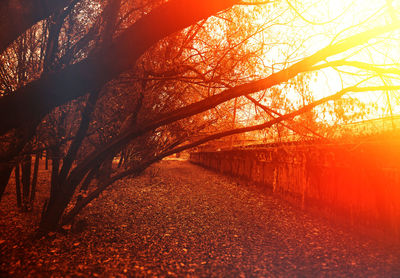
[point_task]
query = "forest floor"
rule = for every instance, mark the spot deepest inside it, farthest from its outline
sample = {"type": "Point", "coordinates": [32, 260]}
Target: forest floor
{"type": "Point", "coordinates": [178, 220]}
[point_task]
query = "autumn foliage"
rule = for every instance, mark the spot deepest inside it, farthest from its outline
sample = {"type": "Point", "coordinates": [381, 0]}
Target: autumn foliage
{"type": "Point", "coordinates": [104, 89]}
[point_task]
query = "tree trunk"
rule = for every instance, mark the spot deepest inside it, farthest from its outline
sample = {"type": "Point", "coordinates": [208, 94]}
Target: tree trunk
{"type": "Point", "coordinates": [18, 185]}
{"type": "Point", "coordinates": [34, 178]}
{"type": "Point", "coordinates": [26, 181]}
{"type": "Point", "coordinates": [5, 173]}
{"type": "Point", "coordinates": [121, 159]}
{"type": "Point", "coordinates": [46, 163]}
{"type": "Point", "coordinates": [85, 184]}
{"type": "Point", "coordinates": [56, 205]}
{"type": "Point", "coordinates": [51, 216]}
{"type": "Point", "coordinates": [55, 167]}
{"type": "Point", "coordinates": [62, 189]}
{"type": "Point", "coordinates": [106, 169]}
{"type": "Point", "coordinates": [103, 184]}
{"type": "Point", "coordinates": [79, 136]}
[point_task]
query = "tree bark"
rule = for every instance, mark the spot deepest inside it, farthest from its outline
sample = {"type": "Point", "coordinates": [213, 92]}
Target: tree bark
{"type": "Point", "coordinates": [18, 185]}
{"type": "Point", "coordinates": [85, 184]}
{"type": "Point", "coordinates": [55, 167]}
{"type": "Point", "coordinates": [5, 173]}
{"type": "Point", "coordinates": [55, 205]}
{"type": "Point", "coordinates": [46, 162]}
{"type": "Point", "coordinates": [34, 178]}
{"type": "Point", "coordinates": [52, 214]}
{"type": "Point", "coordinates": [26, 181]}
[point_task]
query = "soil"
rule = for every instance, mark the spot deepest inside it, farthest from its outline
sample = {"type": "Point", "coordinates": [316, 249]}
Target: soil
{"type": "Point", "coordinates": [178, 219]}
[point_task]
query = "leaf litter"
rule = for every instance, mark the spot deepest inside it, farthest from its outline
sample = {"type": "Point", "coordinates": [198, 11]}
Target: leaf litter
{"type": "Point", "coordinates": [182, 220]}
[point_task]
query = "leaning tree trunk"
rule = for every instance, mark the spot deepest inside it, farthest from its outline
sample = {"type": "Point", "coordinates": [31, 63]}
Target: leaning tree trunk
{"type": "Point", "coordinates": [85, 185]}
{"type": "Point", "coordinates": [52, 207]}
{"type": "Point", "coordinates": [56, 204]}
{"type": "Point", "coordinates": [26, 181]}
{"type": "Point", "coordinates": [62, 187]}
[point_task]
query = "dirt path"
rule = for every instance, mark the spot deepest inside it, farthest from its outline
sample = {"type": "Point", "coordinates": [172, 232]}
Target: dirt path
{"type": "Point", "coordinates": [182, 220]}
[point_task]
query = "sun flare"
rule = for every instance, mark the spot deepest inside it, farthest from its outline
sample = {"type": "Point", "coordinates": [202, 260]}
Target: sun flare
{"type": "Point", "coordinates": [320, 24]}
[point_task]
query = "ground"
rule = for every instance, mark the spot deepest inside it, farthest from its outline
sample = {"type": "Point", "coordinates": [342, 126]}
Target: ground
{"type": "Point", "coordinates": [178, 220]}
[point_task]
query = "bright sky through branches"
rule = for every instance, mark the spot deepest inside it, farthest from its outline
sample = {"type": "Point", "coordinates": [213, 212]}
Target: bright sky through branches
{"type": "Point", "coordinates": [311, 25]}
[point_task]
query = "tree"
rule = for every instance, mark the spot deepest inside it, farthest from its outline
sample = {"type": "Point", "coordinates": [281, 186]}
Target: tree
{"type": "Point", "coordinates": [25, 14]}
{"type": "Point", "coordinates": [94, 71]}
{"type": "Point", "coordinates": [151, 94]}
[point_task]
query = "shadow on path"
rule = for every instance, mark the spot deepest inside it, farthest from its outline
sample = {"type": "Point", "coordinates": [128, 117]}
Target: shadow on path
{"type": "Point", "coordinates": [181, 220]}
